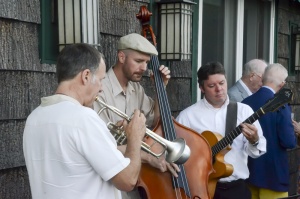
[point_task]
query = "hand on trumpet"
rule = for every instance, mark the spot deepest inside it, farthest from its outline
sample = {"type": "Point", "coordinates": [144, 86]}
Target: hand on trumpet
{"type": "Point", "coordinates": [136, 128]}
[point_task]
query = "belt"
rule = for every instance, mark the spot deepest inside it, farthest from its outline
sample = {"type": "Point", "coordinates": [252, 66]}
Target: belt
{"type": "Point", "coordinates": [227, 185]}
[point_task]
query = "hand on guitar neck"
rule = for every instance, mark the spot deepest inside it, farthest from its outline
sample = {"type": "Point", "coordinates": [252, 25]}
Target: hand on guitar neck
{"type": "Point", "coordinates": [250, 132]}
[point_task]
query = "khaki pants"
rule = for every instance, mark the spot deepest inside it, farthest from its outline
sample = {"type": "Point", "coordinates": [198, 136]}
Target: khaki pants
{"type": "Point", "coordinates": [258, 193]}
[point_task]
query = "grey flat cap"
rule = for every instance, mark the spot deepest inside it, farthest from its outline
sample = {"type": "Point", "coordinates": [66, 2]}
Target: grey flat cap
{"type": "Point", "coordinates": [137, 42]}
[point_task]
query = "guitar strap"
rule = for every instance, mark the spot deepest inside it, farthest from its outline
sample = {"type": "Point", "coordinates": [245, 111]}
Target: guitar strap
{"type": "Point", "coordinates": [231, 117]}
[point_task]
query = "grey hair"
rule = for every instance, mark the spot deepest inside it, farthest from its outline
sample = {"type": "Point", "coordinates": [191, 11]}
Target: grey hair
{"type": "Point", "coordinates": [75, 58]}
{"type": "Point", "coordinates": [253, 66]}
{"type": "Point", "coordinates": [275, 73]}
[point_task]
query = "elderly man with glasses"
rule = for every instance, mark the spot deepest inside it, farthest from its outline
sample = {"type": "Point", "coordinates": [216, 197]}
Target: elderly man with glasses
{"type": "Point", "coordinates": [250, 81]}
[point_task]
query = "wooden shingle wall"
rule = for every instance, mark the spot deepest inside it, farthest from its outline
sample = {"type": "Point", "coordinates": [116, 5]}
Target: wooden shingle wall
{"type": "Point", "coordinates": [117, 18]}
{"type": "Point", "coordinates": [23, 81]}
{"type": "Point", "coordinates": [25, 10]}
{"type": "Point", "coordinates": [289, 12]}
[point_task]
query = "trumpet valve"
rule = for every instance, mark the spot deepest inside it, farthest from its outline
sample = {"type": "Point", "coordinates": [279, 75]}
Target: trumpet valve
{"type": "Point", "coordinates": [118, 133]}
{"type": "Point", "coordinates": [122, 138]}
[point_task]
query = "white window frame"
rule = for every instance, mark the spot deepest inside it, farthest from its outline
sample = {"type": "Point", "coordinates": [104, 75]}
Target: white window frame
{"type": "Point", "coordinates": [78, 23]}
{"type": "Point", "coordinates": [200, 4]}
{"type": "Point", "coordinates": [239, 40]}
{"type": "Point", "coordinates": [272, 33]}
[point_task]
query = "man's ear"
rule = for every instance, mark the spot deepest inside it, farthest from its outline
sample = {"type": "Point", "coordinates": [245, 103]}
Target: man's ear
{"type": "Point", "coordinates": [121, 57]}
{"type": "Point", "coordinates": [251, 76]}
{"type": "Point", "coordinates": [85, 75]}
{"type": "Point", "coordinates": [201, 88]}
{"type": "Point", "coordinates": [281, 85]}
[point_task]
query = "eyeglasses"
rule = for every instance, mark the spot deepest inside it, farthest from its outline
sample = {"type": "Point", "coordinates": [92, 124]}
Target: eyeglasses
{"type": "Point", "coordinates": [257, 75]}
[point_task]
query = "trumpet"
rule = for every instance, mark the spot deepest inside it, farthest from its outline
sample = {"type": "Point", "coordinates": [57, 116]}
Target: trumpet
{"type": "Point", "coordinates": [176, 151]}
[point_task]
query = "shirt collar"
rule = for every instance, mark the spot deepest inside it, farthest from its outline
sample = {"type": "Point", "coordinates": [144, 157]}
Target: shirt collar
{"type": "Point", "coordinates": [245, 87]}
{"type": "Point", "coordinates": [57, 98]}
{"type": "Point", "coordinates": [116, 87]}
{"type": "Point", "coordinates": [269, 88]}
{"type": "Point", "coordinates": [208, 105]}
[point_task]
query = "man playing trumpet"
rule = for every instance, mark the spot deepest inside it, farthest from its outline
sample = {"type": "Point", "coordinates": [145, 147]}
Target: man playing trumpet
{"type": "Point", "coordinates": [121, 89]}
{"type": "Point", "coordinates": [69, 152]}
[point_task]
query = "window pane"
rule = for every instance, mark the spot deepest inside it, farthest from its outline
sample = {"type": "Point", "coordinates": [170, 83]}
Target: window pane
{"type": "Point", "coordinates": [219, 34]}
{"type": "Point", "coordinates": [213, 31]}
{"type": "Point", "coordinates": [256, 30]}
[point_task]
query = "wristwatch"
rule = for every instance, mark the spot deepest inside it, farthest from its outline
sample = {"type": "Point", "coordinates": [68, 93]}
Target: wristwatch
{"type": "Point", "coordinates": [256, 143]}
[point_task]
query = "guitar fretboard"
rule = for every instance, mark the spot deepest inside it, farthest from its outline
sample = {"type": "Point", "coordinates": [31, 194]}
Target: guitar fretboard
{"type": "Point", "coordinates": [225, 141]}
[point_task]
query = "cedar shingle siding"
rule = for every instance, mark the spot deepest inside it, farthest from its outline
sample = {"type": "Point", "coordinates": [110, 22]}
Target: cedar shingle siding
{"type": "Point", "coordinates": [24, 80]}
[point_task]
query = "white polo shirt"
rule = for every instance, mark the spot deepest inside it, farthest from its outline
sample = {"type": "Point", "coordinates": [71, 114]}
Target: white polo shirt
{"type": "Point", "coordinates": [69, 152]}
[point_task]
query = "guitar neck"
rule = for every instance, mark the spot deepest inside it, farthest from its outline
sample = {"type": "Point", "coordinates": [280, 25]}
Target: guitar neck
{"type": "Point", "coordinates": [225, 141]}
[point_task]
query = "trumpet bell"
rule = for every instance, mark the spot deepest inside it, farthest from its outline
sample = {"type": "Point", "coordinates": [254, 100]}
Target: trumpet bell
{"type": "Point", "coordinates": [178, 152]}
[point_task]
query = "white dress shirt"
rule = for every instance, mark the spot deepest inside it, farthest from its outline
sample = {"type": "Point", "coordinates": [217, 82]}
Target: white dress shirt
{"type": "Point", "coordinates": [202, 116]}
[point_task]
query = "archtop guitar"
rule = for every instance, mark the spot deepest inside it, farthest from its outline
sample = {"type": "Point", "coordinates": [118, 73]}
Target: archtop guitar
{"type": "Point", "coordinates": [221, 145]}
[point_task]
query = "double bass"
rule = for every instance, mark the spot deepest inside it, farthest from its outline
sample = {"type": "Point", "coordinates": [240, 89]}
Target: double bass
{"type": "Point", "coordinates": [192, 181]}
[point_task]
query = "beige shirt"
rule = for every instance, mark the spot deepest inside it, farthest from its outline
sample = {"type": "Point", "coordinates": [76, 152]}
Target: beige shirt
{"type": "Point", "coordinates": [134, 98]}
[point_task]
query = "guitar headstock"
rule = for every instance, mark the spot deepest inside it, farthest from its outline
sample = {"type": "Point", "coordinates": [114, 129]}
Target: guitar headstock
{"type": "Point", "coordinates": [282, 97]}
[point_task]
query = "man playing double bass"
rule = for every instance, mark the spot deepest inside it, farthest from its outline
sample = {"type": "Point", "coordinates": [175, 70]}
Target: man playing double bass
{"type": "Point", "coordinates": [210, 114]}
{"type": "Point", "coordinates": [122, 90]}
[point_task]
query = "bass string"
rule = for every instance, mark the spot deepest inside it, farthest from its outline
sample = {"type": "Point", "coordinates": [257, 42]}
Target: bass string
{"type": "Point", "coordinates": [167, 123]}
